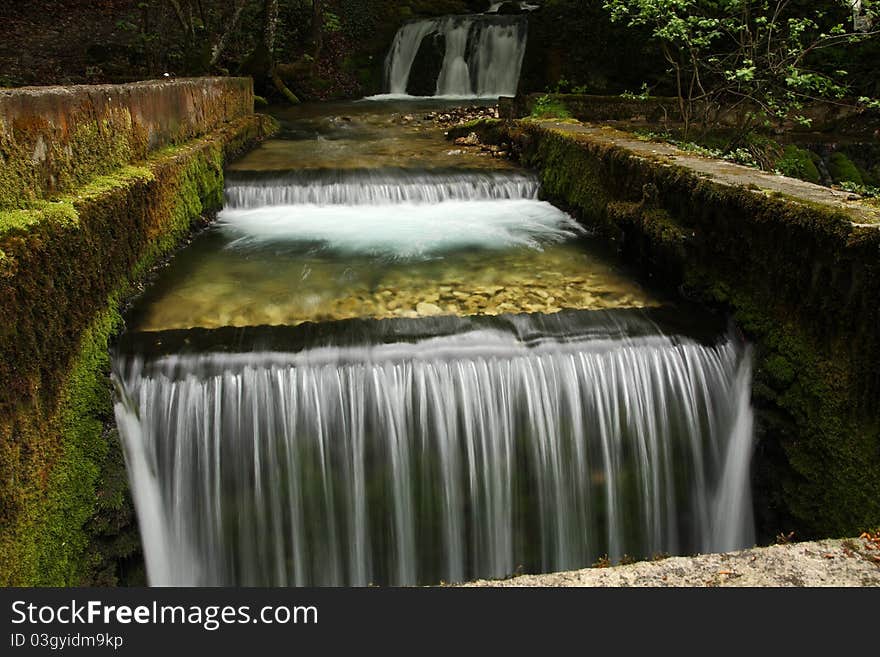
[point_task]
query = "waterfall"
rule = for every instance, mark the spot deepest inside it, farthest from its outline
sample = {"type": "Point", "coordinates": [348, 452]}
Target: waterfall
{"type": "Point", "coordinates": [394, 213]}
{"type": "Point", "coordinates": [402, 230]}
{"type": "Point", "coordinates": [483, 55]}
{"type": "Point", "coordinates": [418, 459]}
{"type": "Point", "coordinates": [377, 187]}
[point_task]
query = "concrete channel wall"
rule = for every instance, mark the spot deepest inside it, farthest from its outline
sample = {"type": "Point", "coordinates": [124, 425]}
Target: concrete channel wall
{"type": "Point", "coordinates": [97, 184]}
{"type": "Point", "coordinates": [55, 138]}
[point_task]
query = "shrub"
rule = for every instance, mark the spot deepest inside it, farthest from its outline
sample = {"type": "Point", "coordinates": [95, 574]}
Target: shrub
{"type": "Point", "coordinates": [843, 170]}
{"type": "Point", "coordinates": [798, 163]}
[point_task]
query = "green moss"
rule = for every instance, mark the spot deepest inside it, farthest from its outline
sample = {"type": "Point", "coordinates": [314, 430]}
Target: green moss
{"type": "Point", "coordinates": [829, 440]}
{"type": "Point", "coordinates": [842, 169]}
{"type": "Point", "coordinates": [548, 107]}
{"type": "Point", "coordinates": [798, 163]}
{"type": "Point", "coordinates": [486, 129]}
{"type": "Point", "coordinates": [94, 147]}
{"type": "Point", "coordinates": [22, 220]}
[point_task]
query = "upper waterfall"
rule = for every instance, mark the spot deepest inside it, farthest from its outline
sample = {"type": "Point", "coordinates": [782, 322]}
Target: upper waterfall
{"type": "Point", "coordinates": [482, 55]}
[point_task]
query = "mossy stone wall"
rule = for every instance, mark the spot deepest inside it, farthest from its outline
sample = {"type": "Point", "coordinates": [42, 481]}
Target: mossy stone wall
{"type": "Point", "coordinates": [801, 279]}
{"type": "Point", "coordinates": [839, 119]}
{"type": "Point", "coordinates": [53, 139]}
{"type": "Point", "coordinates": [67, 262]}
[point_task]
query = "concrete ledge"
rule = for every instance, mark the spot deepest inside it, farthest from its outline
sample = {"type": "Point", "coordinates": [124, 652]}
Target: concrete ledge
{"type": "Point", "coordinates": [852, 562]}
{"type": "Point", "coordinates": [839, 119]}
{"type": "Point", "coordinates": [55, 138]}
{"type": "Point", "coordinates": [595, 108]}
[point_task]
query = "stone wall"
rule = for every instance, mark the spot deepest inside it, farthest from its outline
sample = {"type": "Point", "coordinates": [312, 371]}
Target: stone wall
{"type": "Point", "coordinates": [836, 119]}
{"type": "Point", "coordinates": [71, 253]}
{"type": "Point", "coordinates": [55, 138]}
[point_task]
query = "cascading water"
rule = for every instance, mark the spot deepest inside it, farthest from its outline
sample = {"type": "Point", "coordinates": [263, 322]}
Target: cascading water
{"type": "Point", "coordinates": [483, 55]}
{"type": "Point", "coordinates": [393, 213]}
{"type": "Point", "coordinates": [377, 187]}
{"type": "Point", "coordinates": [539, 444]}
{"type": "Point", "coordinates": [422, 409]}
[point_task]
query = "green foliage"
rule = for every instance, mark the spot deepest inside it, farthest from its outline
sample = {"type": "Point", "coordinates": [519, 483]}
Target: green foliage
{"type": "Point", "coordinates": [843, 170]}
{"type": "Point", "coordinates": [753, 150]}
{"type": "Point", "coordinates": [644, 94]}
{"type": "Point", "coordinates": [757, 51]}
{"type": "Point", "coordinates": [868, 191]}
{"type": "Point", "coordinates": [564, 86]}
{"type": "Point", "coordinates": [548, 107]}
{"type": "Point", "coordinates": [798, 163]}
{"type": "Point", "coordinates": [332, 22]}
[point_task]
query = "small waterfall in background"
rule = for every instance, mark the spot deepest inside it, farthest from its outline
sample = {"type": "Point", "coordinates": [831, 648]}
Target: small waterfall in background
{"type": "Point", "coordinates": [483, 55]}
{"type": "Point", "coordinates": [526, 442]}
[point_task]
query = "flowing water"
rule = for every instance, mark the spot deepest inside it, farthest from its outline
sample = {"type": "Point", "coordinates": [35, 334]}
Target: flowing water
{"type": "Point", "coordinates": [482, 55]}
{"type": "Point", "coordinates": [379, 368]}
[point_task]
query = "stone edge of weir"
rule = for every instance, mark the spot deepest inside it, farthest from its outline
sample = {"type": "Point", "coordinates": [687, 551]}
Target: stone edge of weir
{"type": "Point", "coordinates": [98, 184]}
{"type": "Point", "coordinates": [797, 267]}
{"type": "Point", "coordinates": [835, 562]}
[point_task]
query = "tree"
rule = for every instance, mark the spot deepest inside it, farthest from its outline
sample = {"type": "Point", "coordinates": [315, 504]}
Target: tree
{"type": "Point", "coordinates": [756, 56]}
{"type": "Point", "coordinates": [271, 28]}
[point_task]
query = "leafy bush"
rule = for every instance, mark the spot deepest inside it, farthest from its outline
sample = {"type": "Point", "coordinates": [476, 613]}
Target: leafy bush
{"type": "Point", "coordinates": [798, 163]}
{"type": "Point", "coordinates": [548, 107]}
{"type": "Point", "coordinates": [862, 190]}
{"type": "Point", "coordinates": [843, 170]}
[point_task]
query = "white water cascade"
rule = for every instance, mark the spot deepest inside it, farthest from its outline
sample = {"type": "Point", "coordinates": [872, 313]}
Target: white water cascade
{"type": "Point", "coordinates": [444, 458]}
{"type": "Point", "coordinates": [378, 187]}
{"type": "Point", "coordinates": [482, 58]}
{"type": "Point", "coordinates": [393, 213]}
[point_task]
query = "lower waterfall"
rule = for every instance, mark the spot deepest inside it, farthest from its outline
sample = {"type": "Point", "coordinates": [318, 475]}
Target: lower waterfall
{"type": "Point", "coordinates": [415, 460]}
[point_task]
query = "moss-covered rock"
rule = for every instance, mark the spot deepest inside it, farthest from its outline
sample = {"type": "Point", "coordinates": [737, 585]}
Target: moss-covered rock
{"type": "Point", "coordinates": [798, 163]}
{"type": "Point", "coordinates": [843, 170]}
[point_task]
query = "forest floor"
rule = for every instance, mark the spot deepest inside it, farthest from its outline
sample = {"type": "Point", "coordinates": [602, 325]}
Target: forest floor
{"type": "Point", "coordinates": [48, 41]}
{"type": "Point", "coordinates": [836, 563]}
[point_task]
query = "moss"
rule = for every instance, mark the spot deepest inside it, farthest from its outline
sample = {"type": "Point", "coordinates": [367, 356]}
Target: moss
{"type": "Point", "coordinates": [842, 169]}
{"type": "Point", "coordinates": [829, 439]}
{"type": "Point", "coordinates": [486, 129]}
{"type": "Point", "coordinates": [55, 140]}
{"type": "Point", "coordinates": [779, 371]}
{"type": "Point", "coordinates": [35, 163]}
{"type": "Point", "coordinates": [67, 264]}
{"type": "Point", "coordinates": [798, 163]}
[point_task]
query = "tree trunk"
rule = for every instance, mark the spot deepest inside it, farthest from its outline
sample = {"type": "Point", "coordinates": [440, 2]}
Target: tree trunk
{"type": "Point", "coordinates": [269, 40]}
{"type": "Point", "coordinates": [317, 28]}
{"type": "Point", "coordinates": [220, 46]}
